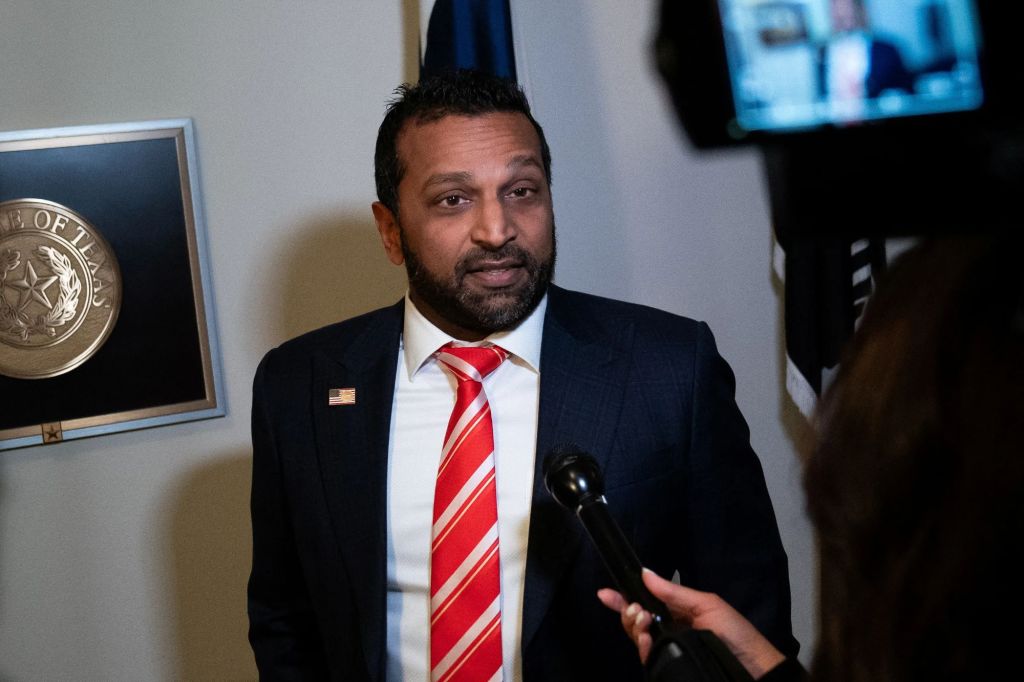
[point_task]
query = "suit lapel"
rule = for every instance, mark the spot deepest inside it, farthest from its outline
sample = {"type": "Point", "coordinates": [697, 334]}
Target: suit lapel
{"type": "Point", "coordinates": [352, 447]}
{"type": "Point", "coordinates": [584, 368]}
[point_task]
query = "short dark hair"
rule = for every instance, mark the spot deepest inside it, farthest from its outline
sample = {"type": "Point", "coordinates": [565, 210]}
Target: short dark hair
{"type": "Point", "coordinates": [450, 93]}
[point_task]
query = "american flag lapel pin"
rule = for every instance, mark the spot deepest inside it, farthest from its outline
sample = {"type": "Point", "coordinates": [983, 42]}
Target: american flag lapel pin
{"type": "Point", "coordinates": [341, 396]}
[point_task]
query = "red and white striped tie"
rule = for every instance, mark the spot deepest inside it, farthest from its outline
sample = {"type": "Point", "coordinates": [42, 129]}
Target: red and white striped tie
{"type": "Point", "coordinates": [465, 591]}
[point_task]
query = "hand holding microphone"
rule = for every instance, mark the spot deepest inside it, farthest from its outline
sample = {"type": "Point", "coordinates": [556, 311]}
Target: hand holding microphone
{"type": "Point", "coordinates": [574, 480]}
{"type": "Point", "coordinates": [678, 653]}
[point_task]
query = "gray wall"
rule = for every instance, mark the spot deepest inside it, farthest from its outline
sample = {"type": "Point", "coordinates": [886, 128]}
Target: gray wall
{"type": "Point", "coordinates": [125, 557]}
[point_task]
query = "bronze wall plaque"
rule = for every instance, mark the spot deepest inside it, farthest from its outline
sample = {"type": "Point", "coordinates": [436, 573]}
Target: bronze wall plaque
{"type": "Point", "coordinates": [60, 289]}
{"type": "Point", "coordinates": [105, 322]}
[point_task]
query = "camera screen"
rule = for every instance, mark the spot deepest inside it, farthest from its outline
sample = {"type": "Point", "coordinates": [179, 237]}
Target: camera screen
{"type": "Point", "coordinates": [799, 64]}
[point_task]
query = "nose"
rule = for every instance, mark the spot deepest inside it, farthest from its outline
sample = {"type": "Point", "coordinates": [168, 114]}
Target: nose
{"type": "Point", "coordinates": [494, 226]}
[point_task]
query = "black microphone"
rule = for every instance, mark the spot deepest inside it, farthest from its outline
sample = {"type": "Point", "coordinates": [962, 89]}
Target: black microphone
{"type": "Point", "coordinates": [573, 478]}
{"type": "Point", "coordinates": [678, 653]}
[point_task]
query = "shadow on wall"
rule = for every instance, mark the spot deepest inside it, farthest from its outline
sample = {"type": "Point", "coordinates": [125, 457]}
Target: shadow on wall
{"type": "Point", "coordinates": [334, 268]}
{"type": "Point", "coordinates": [210, 552]}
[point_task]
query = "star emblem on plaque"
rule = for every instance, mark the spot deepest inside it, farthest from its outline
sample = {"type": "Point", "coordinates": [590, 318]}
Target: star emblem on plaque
{"type": "Point", "coordinates": [60, 289]}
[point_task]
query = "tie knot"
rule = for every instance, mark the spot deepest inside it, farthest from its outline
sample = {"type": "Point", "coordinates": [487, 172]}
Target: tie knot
{"type": "Point", "coordinates": [471, 362]}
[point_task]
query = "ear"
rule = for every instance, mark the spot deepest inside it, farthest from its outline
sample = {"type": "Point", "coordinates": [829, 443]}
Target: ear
{"type": "Point", "coordinates": [390, 236]}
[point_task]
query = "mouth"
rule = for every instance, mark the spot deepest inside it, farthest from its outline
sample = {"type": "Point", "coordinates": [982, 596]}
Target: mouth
{"type": "Point", "coordinates": [496, 274]}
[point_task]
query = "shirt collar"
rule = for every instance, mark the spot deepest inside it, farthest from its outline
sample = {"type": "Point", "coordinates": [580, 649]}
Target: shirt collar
{"type": "Point", "coordinates": [421, 339]}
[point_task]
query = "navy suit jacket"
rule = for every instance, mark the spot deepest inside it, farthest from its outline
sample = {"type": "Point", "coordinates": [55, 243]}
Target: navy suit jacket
{"type": "Point", "coordinates": [644, 391]}
{"type": "Point", "coordinates": [886, 70]}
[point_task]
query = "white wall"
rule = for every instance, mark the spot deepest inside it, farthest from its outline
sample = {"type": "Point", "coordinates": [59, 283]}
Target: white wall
{"type": "Point", "coordinates": [125, 557]}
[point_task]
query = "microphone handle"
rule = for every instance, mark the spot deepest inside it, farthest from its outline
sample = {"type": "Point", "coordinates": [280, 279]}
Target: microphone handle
{"type": "Point", "coordinates": [621, 561]}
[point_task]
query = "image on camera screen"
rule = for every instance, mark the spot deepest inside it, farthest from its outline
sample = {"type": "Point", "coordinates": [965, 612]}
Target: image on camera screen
{"type": "Point", "coordinates": [800, 64]}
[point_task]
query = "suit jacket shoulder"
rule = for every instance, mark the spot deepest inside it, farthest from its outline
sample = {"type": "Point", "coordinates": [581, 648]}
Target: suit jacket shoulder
{"type": "Point", "coordinates": [650, 341]}
{"type": "Point", "coordinates": [595, 317]}
{"type": "Point", "coordinates": [357, 338]}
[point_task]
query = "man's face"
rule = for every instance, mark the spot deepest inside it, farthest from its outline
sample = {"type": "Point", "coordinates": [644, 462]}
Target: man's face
{"type": "Point", "coordinates": [847, 15]}
{"type": "Point", "coordinates": [475, 227]}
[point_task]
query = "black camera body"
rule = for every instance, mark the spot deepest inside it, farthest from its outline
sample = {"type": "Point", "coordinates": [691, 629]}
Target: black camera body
{"type": "Point", "coordinates": [875, 117]}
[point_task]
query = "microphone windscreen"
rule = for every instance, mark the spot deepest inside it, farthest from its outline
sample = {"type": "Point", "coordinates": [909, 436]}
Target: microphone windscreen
{"type": "Point", "coordinates": [572, 475]}
{"type": "Point", "coordinates": [559, 455]}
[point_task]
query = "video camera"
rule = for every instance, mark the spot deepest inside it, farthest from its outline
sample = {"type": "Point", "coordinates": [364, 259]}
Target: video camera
{"type": "Point", "coordinates": [875, 117]}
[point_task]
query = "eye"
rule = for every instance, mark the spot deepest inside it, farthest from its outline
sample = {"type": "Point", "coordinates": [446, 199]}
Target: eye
{"type": "Point", "coordinates": [522, 192]}
{"type": "Point", "coordinates": [452, 200]}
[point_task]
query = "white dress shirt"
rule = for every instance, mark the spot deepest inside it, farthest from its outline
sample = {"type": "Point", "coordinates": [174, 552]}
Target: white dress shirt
{"type": "Point", "coordinates": [848, 65]}
{"type": "Point", "coordinates": [424, 398]}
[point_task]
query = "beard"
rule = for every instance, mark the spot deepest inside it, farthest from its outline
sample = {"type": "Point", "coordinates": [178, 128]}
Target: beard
{"type": "Point", "coordinates": [484, 312]}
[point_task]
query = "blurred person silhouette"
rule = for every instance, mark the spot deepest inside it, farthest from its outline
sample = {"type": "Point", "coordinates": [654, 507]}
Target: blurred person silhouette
{"type": "Point", "coordinates": [914, 487]}
{"type": "Point", "coordinates": [856, 64]}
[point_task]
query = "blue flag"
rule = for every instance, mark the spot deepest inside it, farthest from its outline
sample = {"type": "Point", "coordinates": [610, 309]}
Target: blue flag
{"type": "Point", "coordinates": [469, 34]}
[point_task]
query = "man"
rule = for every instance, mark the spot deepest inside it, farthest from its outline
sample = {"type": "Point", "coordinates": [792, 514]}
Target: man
{"type": "Point", "coordinates": [856, 64]}
{"type": "Point", "coordinates": [345, 536]}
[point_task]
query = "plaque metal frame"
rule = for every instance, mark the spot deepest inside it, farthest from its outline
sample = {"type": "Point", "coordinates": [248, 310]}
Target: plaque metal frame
{"type": "Point", "coordinates": [59, 155]}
